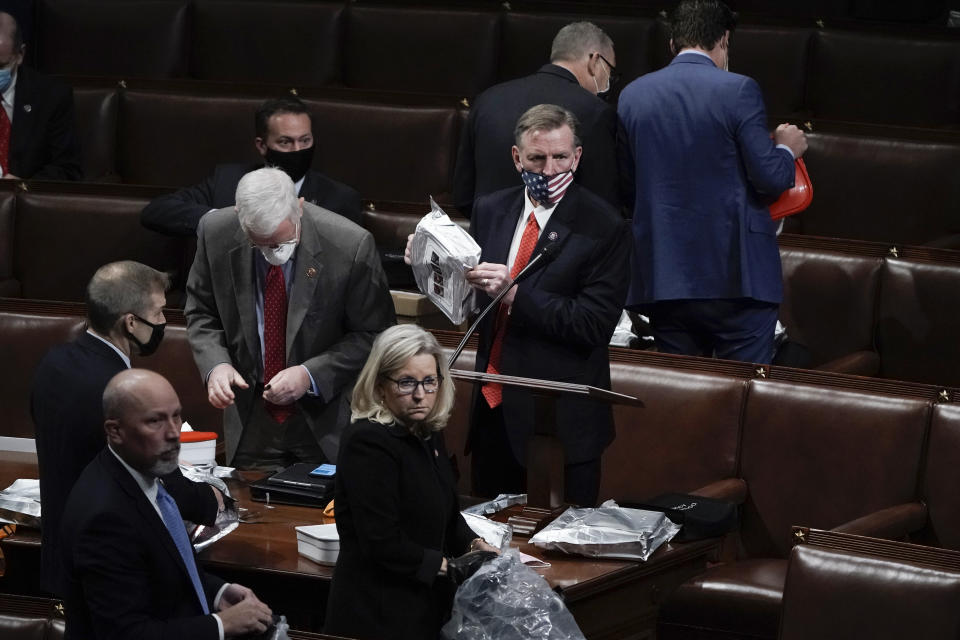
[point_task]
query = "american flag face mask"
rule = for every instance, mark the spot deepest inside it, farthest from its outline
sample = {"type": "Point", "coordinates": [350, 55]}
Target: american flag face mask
{"type": "Point", "coordinates": [547, 190]}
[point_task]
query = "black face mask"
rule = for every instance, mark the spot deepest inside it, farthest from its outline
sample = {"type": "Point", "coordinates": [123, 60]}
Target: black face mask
{"type": "Point", "coordinates": [294, 163]}
{"type": "Point", "coordinates": [156, 335]}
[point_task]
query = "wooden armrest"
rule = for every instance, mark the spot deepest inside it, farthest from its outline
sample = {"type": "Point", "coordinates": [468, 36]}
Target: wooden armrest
{"type": "Point", "coordinates": [891, 523]}
{"type": "Point", "coordinates": [731, 489]}
{"type": "Point", "coordinates": [862, 363]}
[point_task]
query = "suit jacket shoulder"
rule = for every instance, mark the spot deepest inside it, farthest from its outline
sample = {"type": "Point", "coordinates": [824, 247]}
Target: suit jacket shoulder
{"type": "Point", "coordinates": [43, 140]}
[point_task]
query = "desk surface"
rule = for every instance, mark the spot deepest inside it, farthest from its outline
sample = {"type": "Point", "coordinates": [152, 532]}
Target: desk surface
{"type": "Point", "coordinates": [270, 545]}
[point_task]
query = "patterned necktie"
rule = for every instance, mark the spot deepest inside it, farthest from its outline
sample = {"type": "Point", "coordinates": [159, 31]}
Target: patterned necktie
{"type": "Point", "coordinates": [174, 524]}
{"type": "Point", "coordinates": [4, 142]}
{"type": "Point", "coordinates": [275, 335]}
{"type": "Point", "coordinates": [492, 391]}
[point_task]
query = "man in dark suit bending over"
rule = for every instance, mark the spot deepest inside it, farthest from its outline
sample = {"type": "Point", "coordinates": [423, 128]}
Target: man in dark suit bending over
{"type": "Point", "coordinates": [124, 315]}
{"type": "Point", "coordinates": [37, 130]}
{"type": "Point", "coordinates": [284, 139]}
{"type": "Point", "coordinates": [133, 573]}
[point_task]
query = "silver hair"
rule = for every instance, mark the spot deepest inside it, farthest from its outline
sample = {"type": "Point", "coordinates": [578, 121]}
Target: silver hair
{"type": "Point", "coordinates": [390, 352]}
{"type": "Point", "coordinates": [264, 199]}
{"type": "Point", "coordinates": [578, 39]}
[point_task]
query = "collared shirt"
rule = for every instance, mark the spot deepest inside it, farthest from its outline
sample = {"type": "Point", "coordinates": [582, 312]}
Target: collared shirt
{"type": "Point", "coordinates": [707, 56]}
{"type": "Point", "coordinates": [8, 98]}
{"type": "Point", "coordinates": [123, 356]}
{"type": "Point", "coordinates": [541, 213]}
{"type": "Point", "coordinates": [150, 488]}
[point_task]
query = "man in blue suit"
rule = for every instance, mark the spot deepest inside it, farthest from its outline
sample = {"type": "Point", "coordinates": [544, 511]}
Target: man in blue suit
{"type": "Point", "coordinates": [706, 267]}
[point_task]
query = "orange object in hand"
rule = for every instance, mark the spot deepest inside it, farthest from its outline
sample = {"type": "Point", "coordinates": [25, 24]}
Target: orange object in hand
{"type": "Point", "coordinates": [797, 198]}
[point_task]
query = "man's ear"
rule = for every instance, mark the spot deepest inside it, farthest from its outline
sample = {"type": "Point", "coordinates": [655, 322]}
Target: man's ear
{"type": "Point", "coordinates": [261, 145]}
{"type": "Point", "coordinates": [515, 152]}
{"type": "Point", "coordinates": [113, 431]}
{"type": "Point", "coordinates": [673, 49]}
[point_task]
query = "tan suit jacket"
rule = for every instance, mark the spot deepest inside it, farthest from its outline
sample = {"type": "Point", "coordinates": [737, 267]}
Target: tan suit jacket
{"type": "Point", "coordinates": [338, 302]}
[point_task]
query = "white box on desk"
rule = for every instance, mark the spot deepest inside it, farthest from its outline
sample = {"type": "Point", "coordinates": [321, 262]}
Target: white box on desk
{"type": "Point", "coordinates": [319, 542]}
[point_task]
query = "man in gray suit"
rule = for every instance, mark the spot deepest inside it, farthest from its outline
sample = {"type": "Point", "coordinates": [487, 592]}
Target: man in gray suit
{"type": "Point", "coordinates": [283, 302]}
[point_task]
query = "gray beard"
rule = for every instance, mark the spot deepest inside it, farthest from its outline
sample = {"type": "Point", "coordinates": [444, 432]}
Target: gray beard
{"type": "Point", "coordinates": [162, 468]}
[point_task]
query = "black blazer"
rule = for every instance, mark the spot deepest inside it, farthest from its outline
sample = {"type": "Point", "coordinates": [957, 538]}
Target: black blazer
{"type": "Point", "coordinates": [562, 316]}
{"type": "Point", "coordinates": [397, 516]}
{"type": "Point", "coordinates": [43, 140]}
{"type": "Point", "coordinates": [66, 403]}
{"type": "Point", "coordinates": [484, 164]}
{"type": "Point", "coordinates": [126, 577]}
{"type": "Point", "coordinates": [179, 213]}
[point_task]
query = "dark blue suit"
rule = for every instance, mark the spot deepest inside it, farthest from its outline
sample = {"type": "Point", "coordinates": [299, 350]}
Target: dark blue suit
{"type": "Point", "coordinates": [706, 169]}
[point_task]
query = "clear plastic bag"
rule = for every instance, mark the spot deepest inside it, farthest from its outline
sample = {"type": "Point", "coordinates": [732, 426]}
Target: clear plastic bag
{"type": "Point", "coordinates": [203, 536]}
{"type": "Point", "coordinates": [506, 600]}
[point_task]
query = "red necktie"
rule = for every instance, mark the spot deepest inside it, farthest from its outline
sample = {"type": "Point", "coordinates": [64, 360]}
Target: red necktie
{"type": "Point", "coordinates": [492, 391]}
{"type": "Point", "coordinates": [275, 335]}
{"type": "Point", "coordinates": [4, 142]}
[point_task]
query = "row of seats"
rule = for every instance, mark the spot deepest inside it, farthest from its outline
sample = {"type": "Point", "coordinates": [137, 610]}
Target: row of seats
{"type": "Point", "coordinates": [804, 71]}
{"type": "Point", "coordinates": [827, 450]}
{"type": "Point", "coordinates": [859, 307]}
{"type": "Point", "coordinates": [872, 183]}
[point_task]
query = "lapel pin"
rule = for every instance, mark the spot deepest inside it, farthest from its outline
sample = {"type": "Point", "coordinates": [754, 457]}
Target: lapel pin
{"type": "Point", "coordinates": [311, 272]}
{"type": "Point", "coordinates": [28, 108]}
{"type": "Point", "coordinates": [552, 236]}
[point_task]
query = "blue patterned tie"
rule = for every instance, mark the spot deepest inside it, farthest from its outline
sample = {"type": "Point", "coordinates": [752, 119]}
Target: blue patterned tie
{"type": "Point", "coordinates": [174, 524]}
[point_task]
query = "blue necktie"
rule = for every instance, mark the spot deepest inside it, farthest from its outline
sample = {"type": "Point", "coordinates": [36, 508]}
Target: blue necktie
{"type": "Point", "coordinates": [174, 524]}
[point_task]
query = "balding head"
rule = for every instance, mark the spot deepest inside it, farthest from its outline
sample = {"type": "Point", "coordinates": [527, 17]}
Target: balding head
{"type": "Point", "coordinates": [143, 421]}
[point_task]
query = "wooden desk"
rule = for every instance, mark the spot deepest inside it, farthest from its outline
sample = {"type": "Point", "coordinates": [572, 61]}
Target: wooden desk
{"type": "Point", "coordinates": [610, 599]}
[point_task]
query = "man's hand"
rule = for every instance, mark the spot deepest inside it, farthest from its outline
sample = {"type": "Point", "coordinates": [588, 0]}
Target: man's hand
{"type": "Point", "coordinates": [219, 383]}
{"type": "Point", "coordinates": [234, 594]}
{"type": "Point", "coordinates": [9, 176]}
{"type": "Point", "coordinates": [247, 615]}
{"type": "Point", "coordinates": [287, 386]}
{"type": "Point", "coordinates": [219, 497]}
{"type": "Point", "coordinates": [406, 252]}
{"type": "Point", "coordinates": [491, 278]}
{"type": "Point", "coordinates": [791, 136]}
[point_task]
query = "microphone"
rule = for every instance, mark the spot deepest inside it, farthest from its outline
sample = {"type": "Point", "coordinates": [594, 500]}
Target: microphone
{"type": "Point", "coordinates": [544, 257]}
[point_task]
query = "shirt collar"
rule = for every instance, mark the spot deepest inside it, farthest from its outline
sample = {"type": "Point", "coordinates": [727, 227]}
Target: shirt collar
{"type": "Point", "coordinates": [299, 184]}
{"type": "Point", "coordinates": [697, 52]}
{"type": "Point", "coordinates": [146, 483]}
{"type": "Point", "coordinates": [541, 213]}
{"type": "Point", "coordinates": [123, 356]}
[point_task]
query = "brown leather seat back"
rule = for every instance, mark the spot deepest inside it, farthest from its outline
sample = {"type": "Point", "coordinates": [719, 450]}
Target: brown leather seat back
{"type": "Point", "coordinates": [917, 321]}
{"type": "Point", "coordinates": [942, 477]}
{"type": "Point", "coordinates": [9, 286]}
{"type": "Point", "coordinates": [829, 300]}
{"type": "Point", "coordinates": [823, 456]}
{"type": "Point", "coordinates": [134, 38]}
{"type": "Point", "coordinates": [96, 113]}
{"type": "Point", "coordinates": [24, 339]}
{"type": "Point", "coordinates": [62, 240]}
{"type": "Point", "coordinates": [874, 187]}
{"type": "Point", "coordinates": [175, 139]}
{"type": "Point", "coordinates": [885, 79]}
{"type": "Point", "coordinates": [301, 46]}
{"type": "Point", "coordinates": [14, 627]}
{"type": "Point", "coordinates": [837, 595]}
{"type": "Point", "coordinates": [431, 50]}
{"type": "Point", "coordinates": [685, 438]}
{"type": "Point", "coordinates": [776, 57]}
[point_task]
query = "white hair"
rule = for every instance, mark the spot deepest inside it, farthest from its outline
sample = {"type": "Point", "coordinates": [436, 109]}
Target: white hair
{"type": "Point", "coordinates": [265, 198]}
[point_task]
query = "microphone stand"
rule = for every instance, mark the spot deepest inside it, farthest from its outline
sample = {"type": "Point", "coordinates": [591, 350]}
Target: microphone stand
{"type": "Point", "coordinates": [544, 256]}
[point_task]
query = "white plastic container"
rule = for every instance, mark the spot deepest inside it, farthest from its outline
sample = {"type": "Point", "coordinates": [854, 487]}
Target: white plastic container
{"type": "Point", "coordinates": [319, 542]}
{"type": "Point", "coordinates": [198, 448]}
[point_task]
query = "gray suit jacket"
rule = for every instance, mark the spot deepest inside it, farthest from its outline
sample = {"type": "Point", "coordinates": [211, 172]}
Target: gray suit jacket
{"type": "Point", "coordinates": [338, 302]}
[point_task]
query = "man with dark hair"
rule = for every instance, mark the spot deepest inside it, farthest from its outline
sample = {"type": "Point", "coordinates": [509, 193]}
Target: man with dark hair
{"type": "Point", "coordinates": [132, 572]}
{"type": "Point", "coordinates": [284, 139]}
{"type": "Point", "coordinates": [125, 315]}
{"type": "Point", "coordinates": [706, 267]}
{"type": "Point", "coordinates": [556, 324]}
{"type": "Point", "coordinates": [37, 137]}
{"type": "Point", "coordinates": [582, 67]}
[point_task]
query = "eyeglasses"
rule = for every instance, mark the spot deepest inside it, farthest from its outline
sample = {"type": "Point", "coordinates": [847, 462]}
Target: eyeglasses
{"type": "Point", "coordinates": [406, 386]}
{"type": "Point", "coordinates": [614, 74]}
{"type": "Point", "coordinates": [293, 241]}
